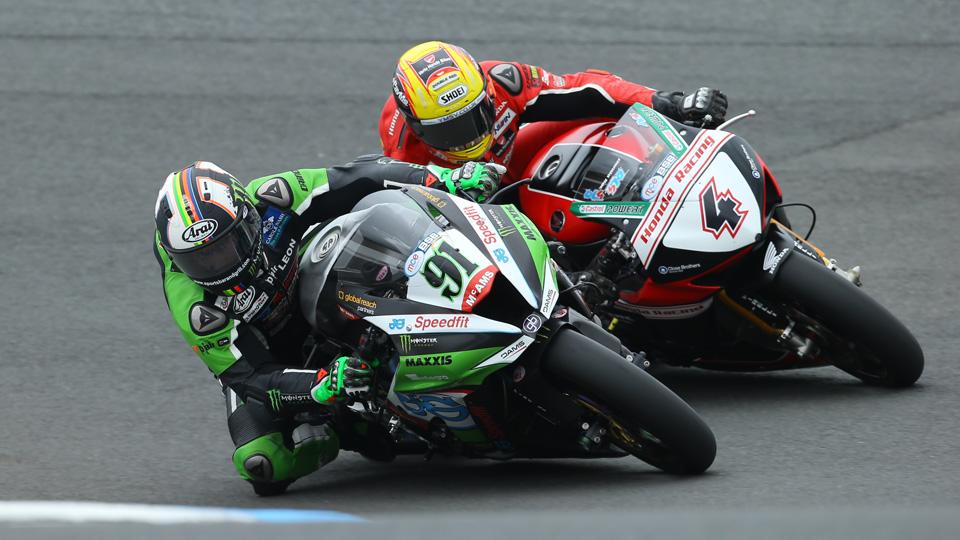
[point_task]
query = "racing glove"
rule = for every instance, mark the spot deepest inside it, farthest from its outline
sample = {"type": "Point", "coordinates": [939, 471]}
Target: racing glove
{"type": "Point", "coordinates": [705, 107]}
{"type": "Point", "coordinates": [473, 176]}
{"type": "Point", "coordinates": [344, 377]}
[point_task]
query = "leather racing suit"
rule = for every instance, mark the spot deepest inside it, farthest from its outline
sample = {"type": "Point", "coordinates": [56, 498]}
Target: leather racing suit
{"type": "Point", "coordinates": [527, 94]}
{"type": "Point", "coordinates": [253, 345]}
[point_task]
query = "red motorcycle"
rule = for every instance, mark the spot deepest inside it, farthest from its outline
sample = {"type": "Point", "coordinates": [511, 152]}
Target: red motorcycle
{"type": "Point", "coordinates": [676, 239]}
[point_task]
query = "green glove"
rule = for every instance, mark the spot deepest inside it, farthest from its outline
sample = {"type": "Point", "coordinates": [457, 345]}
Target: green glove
{"type": "Point", "coordinates": [344, 377]}
{"type": "Point", "coordinates": [483, 177]}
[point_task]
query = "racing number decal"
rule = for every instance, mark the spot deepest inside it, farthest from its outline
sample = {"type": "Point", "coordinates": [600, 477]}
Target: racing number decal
{"type": "Point", "coordinates": [446, 270]}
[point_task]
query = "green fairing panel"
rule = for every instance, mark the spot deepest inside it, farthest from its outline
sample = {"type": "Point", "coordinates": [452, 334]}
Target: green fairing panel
{"type": "Point", "coordinates": [535, 243]}
{"type": "Point", "coordinates": [303, 185]}
{"type": "Point", "coordinates": [182, 294]}
{"type": "Point", "coordinates": [430, 372]}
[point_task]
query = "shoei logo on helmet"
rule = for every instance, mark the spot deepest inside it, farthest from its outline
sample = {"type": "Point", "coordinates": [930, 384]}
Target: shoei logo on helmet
{"type": "Point", "coordinates": [199, 231]}
{"type": "Point", "coordinates": [450, 96]}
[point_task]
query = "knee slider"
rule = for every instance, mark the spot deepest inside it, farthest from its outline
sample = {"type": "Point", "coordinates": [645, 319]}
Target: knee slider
{"type": "Point", "coordinates": [264, 459]}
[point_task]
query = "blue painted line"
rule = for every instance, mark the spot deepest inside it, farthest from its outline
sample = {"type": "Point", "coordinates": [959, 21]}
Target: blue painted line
{"type": "Point", "coordinates": [286, 515]}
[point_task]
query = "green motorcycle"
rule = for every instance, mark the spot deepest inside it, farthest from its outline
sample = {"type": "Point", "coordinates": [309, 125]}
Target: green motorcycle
{"type": "Point", "coordinates": [457, 305]}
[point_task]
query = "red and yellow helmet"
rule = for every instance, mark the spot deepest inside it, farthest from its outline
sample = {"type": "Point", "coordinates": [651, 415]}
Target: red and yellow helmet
{"type": "Point", "coordinates": [446, 99]}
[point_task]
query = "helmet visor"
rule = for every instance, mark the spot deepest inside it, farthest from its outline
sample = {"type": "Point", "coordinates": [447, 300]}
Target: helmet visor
{"type": "Point", "coordinates": [458, 131]}
{"type": "Point", "coordinates": [222, 260]}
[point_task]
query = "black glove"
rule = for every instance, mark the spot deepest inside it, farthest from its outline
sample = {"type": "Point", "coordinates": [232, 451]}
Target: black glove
{"type": "Point", "coordinates": [704, 108]}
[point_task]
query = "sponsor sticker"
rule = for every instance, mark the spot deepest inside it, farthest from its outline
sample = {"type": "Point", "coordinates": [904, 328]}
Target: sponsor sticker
{"type": "Point", "coordinates": [357, 303]}
{"type": "Point", "coordinates": [720, 211]}
{"type": "Point", "coordinates": [427, 322]}
{"type": "Point", "coordinates": [532, 323]}
{"type": "Point", "coordinates": [244, 300]}
{"type": "Point", "coordinates": [428, 360]}
{"type": "Point", "coordinates": [199, 231]}
{"type": "Point", "coordinates": [409, 342]}
{"type": "Point", "coordinates": [652, 187]}
{"type": "Point", "coordinates": [274, 222]}
{"type": "Point", "coordinates": [664, 270]}
{"type": "Point", "coordinates": [443, 79]}
{"type": "Point", "coordinates": [620, 209]}
{"type": "Point", "coordinates": [252, 312]}
{"type": "Point", "coordinates": [325, 245]}
{"type": "Point", "coordinates": [431, 63]}
{"type": "Point", "coordinates": [503, 122]}
{"type": "Point", "coordinates": [478, 288]}
{"type": "Point", "coordinates": [684, 311]}
{"type": "Point", "coordinates": [413, 263]}
{"type": "Point", "coordinates": [452, 95]}
{"type": "Point", "coordinates": [754, 171]}
{"type": "Point", "coordinates": [771, 259]}
{"type": "Point", "coordinates": [400, 95]}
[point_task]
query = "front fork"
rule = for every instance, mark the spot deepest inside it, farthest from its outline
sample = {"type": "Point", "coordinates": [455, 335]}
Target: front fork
{"type": "Point", "coordinates": [781, 242]}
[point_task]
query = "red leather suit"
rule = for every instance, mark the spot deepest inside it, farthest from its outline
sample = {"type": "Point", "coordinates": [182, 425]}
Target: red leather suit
{"type": "Point", "coordinates": [549, 104]}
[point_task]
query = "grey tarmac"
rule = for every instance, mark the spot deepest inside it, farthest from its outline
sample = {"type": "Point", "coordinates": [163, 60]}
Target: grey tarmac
{"type": "Point", "coordinates": [100, 99]}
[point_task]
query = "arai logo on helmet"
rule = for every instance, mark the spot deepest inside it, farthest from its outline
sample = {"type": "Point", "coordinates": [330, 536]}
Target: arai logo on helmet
{"type": "Point", "coordinates": [450, 96]}
{"type": "Point", "coordinates": [199, 231]}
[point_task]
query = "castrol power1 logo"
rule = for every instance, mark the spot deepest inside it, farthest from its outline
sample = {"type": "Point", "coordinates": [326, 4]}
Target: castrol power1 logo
{"type": "Point", "coordinates": [680, 179]}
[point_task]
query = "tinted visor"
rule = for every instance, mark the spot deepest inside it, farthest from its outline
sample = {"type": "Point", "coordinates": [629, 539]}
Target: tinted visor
{"type": "Point", "coordinates": [460, 133]}
{"type": "Point", "coordinates": [223, 259]}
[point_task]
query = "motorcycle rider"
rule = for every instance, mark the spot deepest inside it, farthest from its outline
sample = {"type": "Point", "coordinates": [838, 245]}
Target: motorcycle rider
{"type": "Point", "coordinates": [447, 108]}
{"type": "Point", "coordinates": [229, 260]}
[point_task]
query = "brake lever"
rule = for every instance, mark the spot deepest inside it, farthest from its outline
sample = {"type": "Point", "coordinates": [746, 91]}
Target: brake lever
{"type": "Point", "coordinates": [463, 193]}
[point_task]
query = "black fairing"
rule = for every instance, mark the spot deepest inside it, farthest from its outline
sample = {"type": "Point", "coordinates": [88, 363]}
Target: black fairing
{"type": "Point", "coordinates": [579, 171]}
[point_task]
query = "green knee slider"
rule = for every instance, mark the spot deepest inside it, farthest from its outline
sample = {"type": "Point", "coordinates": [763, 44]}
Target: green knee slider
{"type": "Point", "coordinates": [268, 459]}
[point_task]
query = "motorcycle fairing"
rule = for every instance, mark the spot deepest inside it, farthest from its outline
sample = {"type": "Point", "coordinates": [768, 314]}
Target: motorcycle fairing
{"type": "Point", "coordinates": [674, 192]}
{"type": "Point", "coordinates": [463, 286]}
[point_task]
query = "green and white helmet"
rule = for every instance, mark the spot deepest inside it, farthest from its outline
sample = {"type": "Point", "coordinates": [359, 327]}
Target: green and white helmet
{"type": "Point", "coordinates": [210, 228]}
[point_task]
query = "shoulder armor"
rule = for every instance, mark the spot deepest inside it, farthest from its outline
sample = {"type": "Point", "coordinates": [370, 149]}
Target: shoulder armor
{"type": "Point", "coordinates": [508, 76]}
{"type": "Point", "coordinates": [275, 191]}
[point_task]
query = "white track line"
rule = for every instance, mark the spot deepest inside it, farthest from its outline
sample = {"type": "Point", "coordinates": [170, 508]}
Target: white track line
{"type": "Point", "coordinates": [91, 512]}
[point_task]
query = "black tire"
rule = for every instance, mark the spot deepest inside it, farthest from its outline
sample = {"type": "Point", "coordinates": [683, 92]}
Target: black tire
{"type": "Point", "coordinates": [876, 347]}
{"type": "Point", "coordinates": [635, 399]}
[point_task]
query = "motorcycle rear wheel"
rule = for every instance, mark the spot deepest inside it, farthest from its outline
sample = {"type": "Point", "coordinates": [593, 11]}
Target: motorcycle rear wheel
{"type": "Point", "coordinates": [646, 418]}
{"type": "Point", "coordinates": [862, 337]}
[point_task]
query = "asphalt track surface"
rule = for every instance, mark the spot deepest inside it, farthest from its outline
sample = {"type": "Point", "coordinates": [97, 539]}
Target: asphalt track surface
{"type": "Point", "coordinates": [101, 400]}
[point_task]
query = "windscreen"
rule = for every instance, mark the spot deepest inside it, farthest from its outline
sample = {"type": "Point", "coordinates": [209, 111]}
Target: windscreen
{"type": "Point", "coordinates": [380, 244]}
{"type": "Point", "coordinates": [617, 166]}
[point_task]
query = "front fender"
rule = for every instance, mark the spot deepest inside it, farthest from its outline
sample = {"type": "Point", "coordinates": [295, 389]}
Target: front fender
{"type": "Point", "coordinates": [779, 243]}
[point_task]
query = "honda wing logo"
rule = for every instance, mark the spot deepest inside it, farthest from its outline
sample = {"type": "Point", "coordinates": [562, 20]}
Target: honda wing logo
{"type": "Point", "coordinates": [771, 259]}
{"type": "Point", "coordinates": [720, 211]}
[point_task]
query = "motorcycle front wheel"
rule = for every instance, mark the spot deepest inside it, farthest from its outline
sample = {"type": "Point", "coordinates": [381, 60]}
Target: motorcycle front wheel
{"type": "Point", "coordinates": [855, 333]}
{"type": "Point", "coordinates": [646, 418]}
